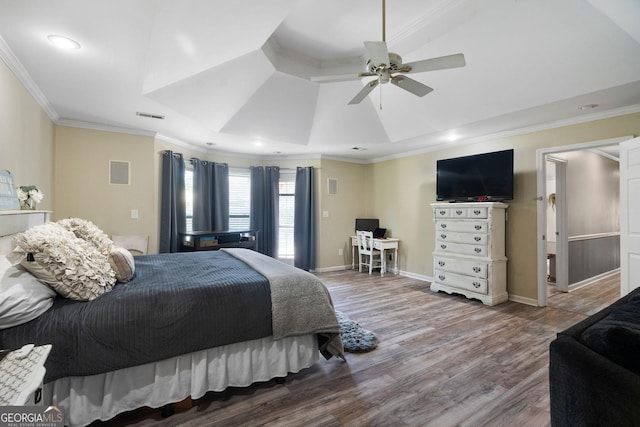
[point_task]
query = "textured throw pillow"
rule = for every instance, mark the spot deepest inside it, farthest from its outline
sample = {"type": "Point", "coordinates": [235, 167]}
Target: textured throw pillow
{"type": "Point", "coordinates": [73, 267]}
{"type": "Point", "coordinates": [88, 231]}
{"type": "Point", "coordinates": [22, 296]}
{"type": "Point", "coordinates": [122, 263]}
{"type": "Point", "coordinates": [617, 336]}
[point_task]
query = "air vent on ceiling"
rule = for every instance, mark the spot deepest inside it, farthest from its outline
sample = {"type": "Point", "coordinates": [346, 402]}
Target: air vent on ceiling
{"type": "Point", "coordinates": [151, 116]}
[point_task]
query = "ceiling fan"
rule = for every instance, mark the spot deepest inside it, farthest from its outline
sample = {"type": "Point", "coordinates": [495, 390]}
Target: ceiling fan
{"type": "Point", "coordinates": [387, 67]}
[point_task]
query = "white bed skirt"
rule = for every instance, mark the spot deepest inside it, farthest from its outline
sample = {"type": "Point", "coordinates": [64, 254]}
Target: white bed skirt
{"type": "Point", "coordinates": [103, 396]}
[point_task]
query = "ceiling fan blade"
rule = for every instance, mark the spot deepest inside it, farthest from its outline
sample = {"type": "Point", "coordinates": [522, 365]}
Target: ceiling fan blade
{"type": "Point", "coordinates": [411, 85]}
{"type": "Point", "coordinates": [364, 92]}
{"type": "Point", "coordinates": [378, 53]}
{"type": "Point", "coordinates": [340, 77]}
{"type": "Point", "coordinates": [440, 63]}
{"type": "Point", "coordinates": [335, 78]}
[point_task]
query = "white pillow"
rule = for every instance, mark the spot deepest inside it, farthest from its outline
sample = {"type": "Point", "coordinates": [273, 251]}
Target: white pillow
{"type": "Point", "coordinates": [70, 265]}
{"type": "Point", "coordinates": [22, 296]}
{"type": "Point", "coordinates": [122, 263]}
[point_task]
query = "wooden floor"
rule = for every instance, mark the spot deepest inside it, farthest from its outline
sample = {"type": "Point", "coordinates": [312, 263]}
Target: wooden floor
{"type": "Point", "coordinates": [442, 360]}
{"type": "Point", "coordinates": [588, 299]}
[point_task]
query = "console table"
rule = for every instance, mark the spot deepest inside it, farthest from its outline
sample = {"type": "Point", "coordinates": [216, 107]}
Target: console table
{"type": "Point", "coordinates": [383, 245]}
{"type": "Point", "coordinates": [214, 240]}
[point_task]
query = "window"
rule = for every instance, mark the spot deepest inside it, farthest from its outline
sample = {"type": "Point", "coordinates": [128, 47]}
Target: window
{"type": "Point", "coordinates": [188, 193]}
{"type": "Point", "coordinates": [287, 188]}
{"type": "Point", "coordinates": [239, 199]}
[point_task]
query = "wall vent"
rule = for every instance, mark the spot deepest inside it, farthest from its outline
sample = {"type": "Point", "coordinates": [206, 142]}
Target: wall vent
{"type": "Point", "coordinates": [149, 115]}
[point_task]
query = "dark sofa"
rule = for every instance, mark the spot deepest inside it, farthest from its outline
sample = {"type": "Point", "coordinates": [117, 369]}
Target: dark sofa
{"type": "Point", "coordinates": [594, 368]}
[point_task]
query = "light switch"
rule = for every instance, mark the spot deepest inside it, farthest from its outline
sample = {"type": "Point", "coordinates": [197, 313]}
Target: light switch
{"type": "Point", "coordinates": [325, 214]}
{"type": "Point", "coordinates": [134, 213]}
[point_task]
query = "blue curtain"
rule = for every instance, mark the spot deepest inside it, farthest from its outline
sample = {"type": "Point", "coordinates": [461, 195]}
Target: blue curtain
{"type": "Point", "coordinates": [265, 207]}
{"type": "Point", "coordinates": [304, 223]}
{"type": "Point", "coordinates": [210, 195]}
{"type": "Point", "coordinates": [173, 208]}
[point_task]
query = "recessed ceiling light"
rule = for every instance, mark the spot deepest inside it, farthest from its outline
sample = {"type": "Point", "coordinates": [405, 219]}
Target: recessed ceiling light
{"type": "Point", "coordinates": [210, 144]}
{"type": "Point", "coordinates": [63, 42]}
{"type": "Point", "coordinates": [587, 107]}
{"type": "Point", "coordinates": [452, 136]}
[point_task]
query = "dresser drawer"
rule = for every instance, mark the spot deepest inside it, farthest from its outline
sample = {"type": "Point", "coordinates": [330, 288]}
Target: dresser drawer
{"type": "Point", "coordinates": [479, 212]}
{"type": "Point", "coordinates": [469, 238]}
{"type": "Point", "coordinates": [467, 267]}
{"type": "Point", "coordinates": [442, 212]}
{"type": "Point", "coordinates": [461, 248]}
{"type": "Point", "coordinates": [460, 281]}
{"type": "Point", "coordinates": [462, 226]}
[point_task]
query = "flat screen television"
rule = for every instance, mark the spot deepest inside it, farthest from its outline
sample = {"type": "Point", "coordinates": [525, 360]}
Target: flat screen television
{"type": "Point", "coordinates": [486, 177]}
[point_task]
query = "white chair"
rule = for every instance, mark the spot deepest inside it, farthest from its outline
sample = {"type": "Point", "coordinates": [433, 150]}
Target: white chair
{"type": "Point", "coordinates": [138, 245]}
{"type": "Point", "coordinates": [367, 255]}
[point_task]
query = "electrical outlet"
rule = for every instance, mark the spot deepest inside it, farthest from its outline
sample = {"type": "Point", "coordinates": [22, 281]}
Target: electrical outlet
{"type": "Point", "coordinates": [340, 252]}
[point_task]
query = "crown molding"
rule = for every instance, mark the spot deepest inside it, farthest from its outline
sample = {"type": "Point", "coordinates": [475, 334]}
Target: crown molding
{"type": "Point", "coordinates": [24, 77]}
{"type": "Point", "coordinates": [103, 127]}
{"type": "Point", "coordinates": [616, 112]}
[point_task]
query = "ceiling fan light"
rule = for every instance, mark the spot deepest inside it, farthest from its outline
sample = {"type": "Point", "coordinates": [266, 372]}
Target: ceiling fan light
{"type": "Point", "coordinates": [63, 42]}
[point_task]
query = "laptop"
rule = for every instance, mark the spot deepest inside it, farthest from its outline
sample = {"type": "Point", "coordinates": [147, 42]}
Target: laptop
{"type": "Point", "coordinates": [379, 233]}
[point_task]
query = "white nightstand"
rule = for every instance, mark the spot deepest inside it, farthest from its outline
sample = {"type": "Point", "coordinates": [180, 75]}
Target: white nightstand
{"type": "Point", "coordinates": [21, 378]}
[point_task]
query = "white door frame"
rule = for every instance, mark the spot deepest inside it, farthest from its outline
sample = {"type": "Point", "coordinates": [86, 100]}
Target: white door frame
{"type": "Point", "coordinates": [541, 167]}
{"type": "Point", "coordinates": [562, 240]}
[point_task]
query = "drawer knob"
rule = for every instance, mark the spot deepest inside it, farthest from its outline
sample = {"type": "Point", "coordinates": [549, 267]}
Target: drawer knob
{"type": "Point", "coordinates": [477, 238]}
{"type": "Point", "coordinates": [443, 212]}
{"type": "Point", "coordinates": [477, 212]}
{"type": "Point", "coordinates": [443, 225]}
{"type": "Point", "coordinates": [441, 263]}
{"type": "Point", "coordinates": [478, 227]}
{"type": "Point", "coordinates": [477, 269]}
{"type": "Point", "coordinates": [476, 285]}
{"type": "Point", "coordinates": [441, 276]}
{"type": "Point", "coordinates": [443, 246]}
{"type": "Point", "coordinates": [459, 212]}
{"type": "Point", "coordinates": [478, 250]}
{"type": "Point", "coordinates": [444, 236]}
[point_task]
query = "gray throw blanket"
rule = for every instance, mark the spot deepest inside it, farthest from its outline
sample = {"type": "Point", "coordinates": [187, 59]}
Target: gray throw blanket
{"type": "Point", "coordinates": [300, 303]}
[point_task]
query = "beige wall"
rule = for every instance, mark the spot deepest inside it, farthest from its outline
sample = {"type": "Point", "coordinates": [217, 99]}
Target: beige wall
{"type": "Point", "coordinates": [406, 186]}
{"type": "Point", "coordinates": [26, 137]}
{"type": "Point", "coordinates": [81, 164]}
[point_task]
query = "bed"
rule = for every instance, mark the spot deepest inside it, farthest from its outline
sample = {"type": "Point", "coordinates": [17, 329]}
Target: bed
{"type": "Point", "coordinates": [183, 325]}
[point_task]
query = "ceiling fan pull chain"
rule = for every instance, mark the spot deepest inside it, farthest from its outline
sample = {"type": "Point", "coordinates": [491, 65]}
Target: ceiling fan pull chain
{"type": "Point", "coordinates": [380, 97]}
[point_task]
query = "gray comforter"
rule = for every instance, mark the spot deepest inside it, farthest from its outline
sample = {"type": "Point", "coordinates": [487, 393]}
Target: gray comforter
{"type": "Point", "coordinates": [176, 304]}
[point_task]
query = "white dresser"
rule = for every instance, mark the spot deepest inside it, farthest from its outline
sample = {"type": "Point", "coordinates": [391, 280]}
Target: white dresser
{"type": "Point", "coordinates": [469, 256]}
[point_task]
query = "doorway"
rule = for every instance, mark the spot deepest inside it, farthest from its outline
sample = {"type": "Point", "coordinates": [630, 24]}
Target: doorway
{"type": "Point", "coordinates": [561, 245]}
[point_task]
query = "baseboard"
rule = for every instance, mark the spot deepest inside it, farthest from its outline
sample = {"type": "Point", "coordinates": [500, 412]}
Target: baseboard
{"type": "Point", "coordinates": [330, 269]}
{"type": "Point", "coordinates": [590, 280]}
{"type": "Point", "coordinates": [523, 300]}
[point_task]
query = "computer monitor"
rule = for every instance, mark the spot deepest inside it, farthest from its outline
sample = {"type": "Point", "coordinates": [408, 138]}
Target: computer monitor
{"type": "Point", "coordinates": [367, 224]}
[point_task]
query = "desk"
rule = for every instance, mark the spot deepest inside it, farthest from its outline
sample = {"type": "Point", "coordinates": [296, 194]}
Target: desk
{"type": "Point", "coordinates": [214, 240]}
{"type": "Point", "coordinates": [383, 245]}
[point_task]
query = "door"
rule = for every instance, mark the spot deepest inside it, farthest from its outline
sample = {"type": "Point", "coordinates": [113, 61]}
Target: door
{"type": "Point", "coordinates": [629, 215]}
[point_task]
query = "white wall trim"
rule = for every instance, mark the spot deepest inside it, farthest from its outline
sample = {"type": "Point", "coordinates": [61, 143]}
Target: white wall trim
{"type": "Point", "coordinates": [523, 300]}
{"type": "Point", "coordinates": [593, 236]}
{"type": "Point", "coordinates": [23, 75]}
{"type": "Point", "coordinates": [103, 127]}
{"type": "Point", "coordinates": [593, 279]}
